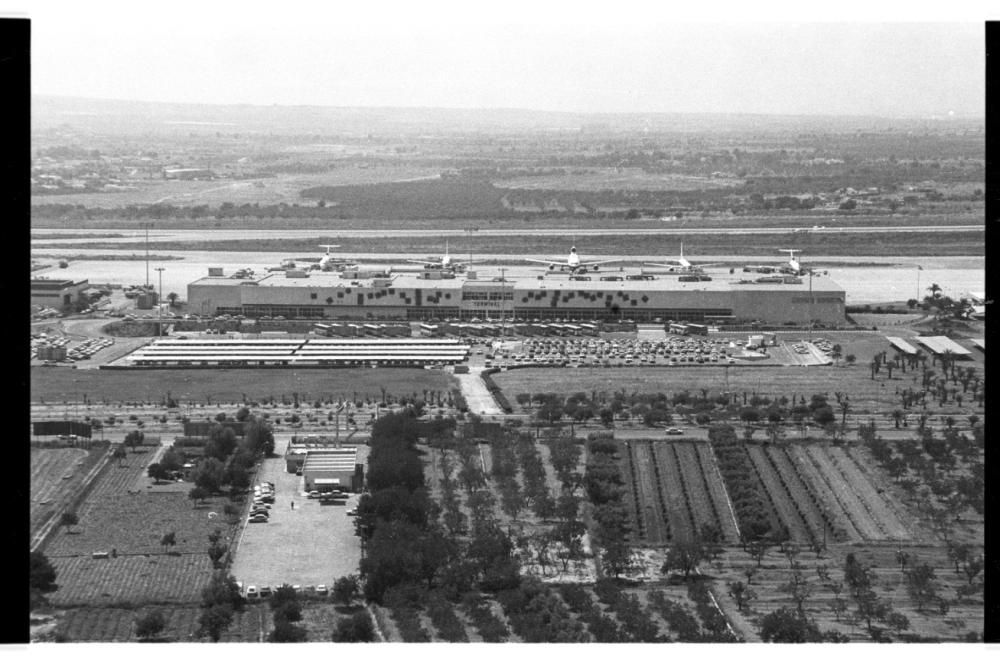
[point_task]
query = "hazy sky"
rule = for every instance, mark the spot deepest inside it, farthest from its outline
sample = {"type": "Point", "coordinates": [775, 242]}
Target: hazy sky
{"type": "Point", "coordinates": [607, 57]}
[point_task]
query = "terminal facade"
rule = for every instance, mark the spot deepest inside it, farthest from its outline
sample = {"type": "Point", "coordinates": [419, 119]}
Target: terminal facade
{"type": "Point", "coordinates": [412, 296]}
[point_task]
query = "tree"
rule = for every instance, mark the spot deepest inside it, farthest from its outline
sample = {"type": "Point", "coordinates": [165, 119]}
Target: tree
{"type": "Point", "coordinates": [198, 494]}
{"type": "Point", "coordinates": [209, 475]}
{"type": "Point", "coordinates": [824, 416]}
{"type": "Point", "coordinates": [169, 540]}
{"type": "Point", "coordinates": [214, 620]}
{"type": "Point", "coordinates": [921, 584]}
{"type": "Point", "coordinates": [757, 550]}
{"type": "Point", "coordinates": [41, 573]}
{"type": "Point", "coordinates": [157, 472]}
{"type": "Point", "coordinates": [119, 454]}
{"type": "Point", "coordinates": [259, 437]}
{"type": "Point", "coordinates": [356, 628]}
{"type": "Point", "coordinates": [134, 439]}
{"type": "Point", "coordinates": [897, 621]}
{"type": "Point", "coordinates": [741, 593]}
{"type": "Point", "coordinates": [346, 589]}
{"type": "Point", "coordinates": [221, 442]}
{"type": "Point", "coordinates": [172, 460]}
{"type": "Point", "coordinates": [222, 589]}
{"type": "Point", "coordinates": [150, 625]}
{"type": "Point", "coordinates": [685, 557]}
{"type": "Point", "coordinates": [68, 519]}
{"type": "Point", "coordinates": [785, 625]}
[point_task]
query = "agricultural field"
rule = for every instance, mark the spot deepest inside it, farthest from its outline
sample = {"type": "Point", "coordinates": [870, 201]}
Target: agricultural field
{"type": "Point", "coordinates": [866, 395]}
{"type": "Point", "coordinates": [103, 624]}
{"type": "Point", "coordinates": [824, 582]}
{"type": "Point", "coordinates": [135, 579]}
{"type": "Point", "coordinates": [284, 188]}
{"type": "Point", "coordinates": [230, 386]}
{"type": "Point", "coordinates": [134, 525]}
{"type": "Point", "coordinates": [602, 179]}
{"type": "Point", "coordinates": [56, 475]}
{"type": "Point", "coordinates": [674, 489]}
{"type": "Point", "coordinates": [113, 518]}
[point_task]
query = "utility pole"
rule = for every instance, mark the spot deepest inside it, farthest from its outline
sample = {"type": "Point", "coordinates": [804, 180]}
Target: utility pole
{"type": "Point", "coordinates": [159, 298]}
{"type": "Point", "coordinates": [146, 226]}
{"type": "Point", "coordinates": [810, 306]}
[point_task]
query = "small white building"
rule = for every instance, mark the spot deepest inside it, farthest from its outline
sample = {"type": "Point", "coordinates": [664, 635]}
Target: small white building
{"type": "Point", "coordinates": [331, 469]}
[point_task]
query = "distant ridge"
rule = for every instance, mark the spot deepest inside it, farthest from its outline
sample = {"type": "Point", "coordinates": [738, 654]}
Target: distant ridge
{"type": "Point", "coordinates": [125, 116]}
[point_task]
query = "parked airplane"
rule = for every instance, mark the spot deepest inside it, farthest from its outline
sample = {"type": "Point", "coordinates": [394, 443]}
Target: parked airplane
{"type": "Point", "coordinates": [326, 262]}
{"type": "Point", "coordinates": [682, 264]}
{"type": "Point", "coordinates": [791, 266]}
{"type": "Point", "coordinates": [572, 263]}
{"type": "Point", "coordinates": [445, 262]}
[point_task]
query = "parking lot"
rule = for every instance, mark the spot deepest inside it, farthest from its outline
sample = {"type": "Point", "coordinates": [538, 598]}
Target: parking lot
{"type": "Point", "coordinates": [312, 544]}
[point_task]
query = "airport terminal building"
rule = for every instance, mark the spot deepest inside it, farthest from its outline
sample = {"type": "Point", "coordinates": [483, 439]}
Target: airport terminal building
{"type": "Point", "coordinates": [596, 296]}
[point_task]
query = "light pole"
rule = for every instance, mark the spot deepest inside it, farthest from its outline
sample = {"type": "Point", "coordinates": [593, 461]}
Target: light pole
{"type": "Point", "coordinates": [159, 298]}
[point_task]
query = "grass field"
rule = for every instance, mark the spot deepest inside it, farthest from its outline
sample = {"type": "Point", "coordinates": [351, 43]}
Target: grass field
{"type": "Point", "coordinates": [58, 384]}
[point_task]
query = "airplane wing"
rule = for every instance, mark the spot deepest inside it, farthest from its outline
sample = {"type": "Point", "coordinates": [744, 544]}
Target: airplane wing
{"type": "Point", "coordinates": [658, 264]}
{"type": "Point", "coordinates": [555, 261]}
{"type": "Point", "coordinates": [708, 264]}
{"type": "Point", "coordinates": [422, 262]}
{"type": "Point", "coordinates": [591, 263]}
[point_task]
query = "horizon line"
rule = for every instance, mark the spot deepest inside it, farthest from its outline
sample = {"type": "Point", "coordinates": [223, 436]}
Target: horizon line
{"type": "Point", "coordinates": [942, 116]}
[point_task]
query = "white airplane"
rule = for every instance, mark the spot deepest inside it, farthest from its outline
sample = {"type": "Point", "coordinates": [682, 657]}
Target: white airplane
{"type": "Point", "coordinates": [792, 263]}
{"type": "Point", "coordinates": [792, 266]}
{"type": "Point", "coordinates": [572, 263]}
{"type": "Point", "coordinates": [326, 262]}
{"type": "Point", "coordinates": [444, 262]}
{"type": "Point", "coordinates": [682, 264]}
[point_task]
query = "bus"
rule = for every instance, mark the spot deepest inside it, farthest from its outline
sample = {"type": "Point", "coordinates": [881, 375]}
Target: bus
{"type": "Point", "coordinates": [429, 330]}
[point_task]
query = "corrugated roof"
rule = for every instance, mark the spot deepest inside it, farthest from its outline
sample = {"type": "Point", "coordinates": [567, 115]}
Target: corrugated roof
{"type": "Point", "coordinates": [901, 345]}
{"type": "Point", "coordinates": [941, 344]}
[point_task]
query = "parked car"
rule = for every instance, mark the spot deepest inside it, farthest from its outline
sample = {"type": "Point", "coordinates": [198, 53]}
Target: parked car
{"type": "Point", "coordinates": [320, 590]}
{"type": "Point", "coordinates": [352, 512]}
{"type": "Point", "coordinates": [265, 591]}
{"type": "Point", "coordinates": [258, 518]}
{"type": "Point", "coordinates": [313, 494]}
{"type": "Point", "coordinates": [252, 593]}
{"type": "Point", "coordinates": [674, 431]}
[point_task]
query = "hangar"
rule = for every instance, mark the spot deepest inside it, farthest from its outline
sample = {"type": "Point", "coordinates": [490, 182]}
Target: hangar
{"type": "Point", "coordinates": [332, 469]}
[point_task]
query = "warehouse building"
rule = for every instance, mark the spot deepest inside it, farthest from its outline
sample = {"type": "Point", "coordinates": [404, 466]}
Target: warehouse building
{"type": "Point", "coordinates": [57, 293]}
{"type": "Point", "coordinates": [327, 295]}
{"type": "Point", "coordinates": [326, 470]}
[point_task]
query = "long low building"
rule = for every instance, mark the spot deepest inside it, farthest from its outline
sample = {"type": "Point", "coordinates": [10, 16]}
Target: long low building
{"type": "Point", "coordinates": [942, 344]}
{"type": "Point", "coordinates": [327, 295]}
{"type": "Point", "coordinates": [299, 352]}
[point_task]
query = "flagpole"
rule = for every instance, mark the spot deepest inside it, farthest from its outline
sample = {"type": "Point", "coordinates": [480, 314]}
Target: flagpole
{"type": "Point", "coordinates": [918, 282]}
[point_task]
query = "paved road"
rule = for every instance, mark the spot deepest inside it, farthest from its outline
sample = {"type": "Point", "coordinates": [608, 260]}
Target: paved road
{"type": "Point", "coordinates": [477, 396]}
